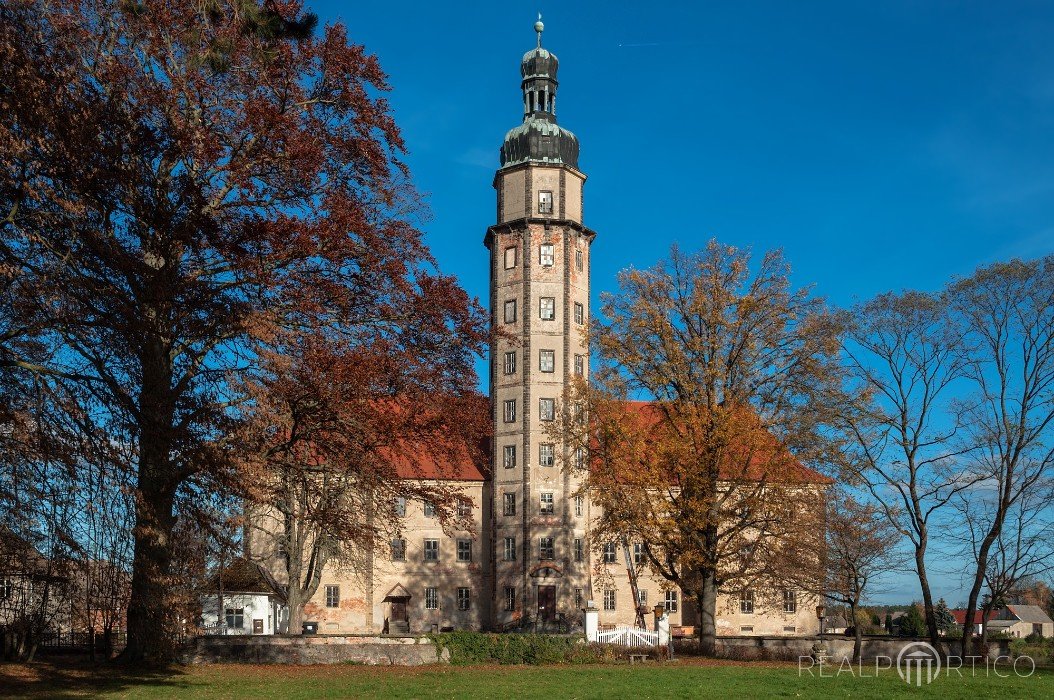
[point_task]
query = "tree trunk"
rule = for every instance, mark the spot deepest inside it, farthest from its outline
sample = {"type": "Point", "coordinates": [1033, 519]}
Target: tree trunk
{"type": "Point", "coordinates": [150, 628]}
{"type": "Point", "coordinates": [858, 640]}
{"type": "Point", "coordinates": [296, 611]}
{"type": "Point", "coordinates": [706, 599]}
{"type": "Point", "coordinates": [927, 596]}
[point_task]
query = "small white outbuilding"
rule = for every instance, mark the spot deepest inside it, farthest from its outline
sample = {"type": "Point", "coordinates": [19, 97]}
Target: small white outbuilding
{"type": "Point", "coordinates": [242, 602]}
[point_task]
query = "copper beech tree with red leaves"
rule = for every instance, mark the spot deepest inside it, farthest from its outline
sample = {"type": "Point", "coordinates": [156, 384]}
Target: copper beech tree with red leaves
{"type": "Point", "coordinates": [184, 185]}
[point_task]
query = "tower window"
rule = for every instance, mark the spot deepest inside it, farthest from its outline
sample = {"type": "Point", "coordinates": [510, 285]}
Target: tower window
{"type": "Point", "coordinates": [545, 455]}
{"type": "Point", "coordinates": [547, 409]}
{"type": "Point", "coordinates": [579, 505]}
{"type": "Point", "coordinates": [580, 462]}
{"type": "Point", "coordinates": [578, 260]}
{"type": "Point", "coordinates": [509, 456]}
{"type": "Point", "coordinates": [510, 411]}
{"type": "Point", "coordinates": [510, 311]}
{"type": "Point", "coordinates": [578, 549]}
{"type": "Point", "coordinates": [580, 365]}
{"type": "Point", "coordinates": [510, 504]}
{"type": "Point", "coordinates": [510, 549]}
{"type": "Point", "coordinates": [545, 548]}
{"type": "Point", "coordinates": [546, 309]}
{"type": "Point", "coordinates": [547, 361]}
{"type": "Point", "coordinates": [546, 255]}
{"type": "Point", "coordinates": [510, 257]}
{"type": "Point", "coordinates": [580, 313]}
{"type": "Point", "coordinates": [546, 503]}
{"type": "Point", "coordinates": [545, 203]}
{"type": "Point", "coordinates": [510, 362]}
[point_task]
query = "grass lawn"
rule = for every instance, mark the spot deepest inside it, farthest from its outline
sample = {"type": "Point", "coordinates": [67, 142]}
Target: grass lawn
{"type": "Point", "coordinates": [688, 678]}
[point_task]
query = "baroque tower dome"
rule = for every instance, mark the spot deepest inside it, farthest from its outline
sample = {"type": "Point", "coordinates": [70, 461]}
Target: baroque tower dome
{"type": "Point", "coordinates": [539, 138]}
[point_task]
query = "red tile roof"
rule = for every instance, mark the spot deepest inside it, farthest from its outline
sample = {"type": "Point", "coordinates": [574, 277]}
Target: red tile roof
{"type": "Point", "coordinates": [960, 616]}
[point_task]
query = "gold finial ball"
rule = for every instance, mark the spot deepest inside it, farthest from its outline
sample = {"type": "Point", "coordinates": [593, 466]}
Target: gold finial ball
{"type": "Point", "coordinates": [538, 26]}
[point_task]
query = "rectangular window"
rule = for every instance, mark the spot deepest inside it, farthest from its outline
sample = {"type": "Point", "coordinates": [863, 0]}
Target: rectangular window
{"type": "Point", "coordinates": [509, 456]}
{"type": "Point", "coordinates": [545, 202]}
{"type": "Point", "coordinates": [510, 257]}
{"type": "Point", "coordinates": [580, 314]}
{"type": "Point", "coordinates": [510, 504]}
{"type": "Point", "coordinates": [430, 510]}
{"type": "Point", "coordinates": [609, 553]}
{"type": "Point", "coordinates": [235, 618]}
{"type": "Point", "coordinates": [510, 549]}
{"type": "Point", "coordinates": [579, 459]}
{"type": "Point", "coordinates": [431, 550]}
{"type": "Point", "coordinates": [580, 366]}
{"type": "Point", "coordinates": [670, 603]}
{"type": "Point", "coordinates": [546, 504]}
{"type": "Point", "coordinates": [464, 550]}
{"type": "Point", "coordinates": [400, 506]}
{"type": "Point", "coordinates": [545, 548]}
{"type": "Point", "coordinates": [332, 596]}
{"type": "Point", "coordinates": [510, 311]}
{"type": "Point", "coordinates": [746, 602]}
{"type": "Point", "coordinates": [578, 259]}
{"type": "Point", "coordinates": [578, 598]}
{"type": "Point", "coordinates": [638, 552]}
{"type": "Point", "coordinates": [642, 597]}
{"type": "Point", "coordinates": [790, 629]}
{"type": "Point", "coordinates": [431, 598]}
{"type": "Point", "coordinates": [546, 254]}
{"type": "Point", "coordinates": [790, 601]}
{"type": "Point", "coordinates": [578, 548]}
{"type": "Point", "coordinates": [609, 599]}
{"type": "Point", "coordinates": [510, 363]}
{"type": "Point", "coordinates": [547, 361]}
{"type": "Point", "coordinates": [547, 308]}
{"type": "Point", "coordinates": [463, 600]}
{"type": "Point", "coordinates": [464, 507]}
{"type": "Point", "coordinates": [398, 550]}
{"type": "Point", "coordinates": [747, 628]}
{"type": "Point", "coordinates": [579, 505]}
{"type": "Point", "coordinates": [510, 598]}
{"type": "Point", "coordinates": [546, 453]}
{"type": "Point", "coordinates": [547, 409]}
{"type": "Point", "coordinates": [510, 411]}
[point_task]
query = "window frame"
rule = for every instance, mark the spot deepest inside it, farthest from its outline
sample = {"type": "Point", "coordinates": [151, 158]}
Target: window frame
{"type": "Point", "coordinates": [515, 250]}
{"type": "Point", "coordinates": [610, 600]}
{"type": "Point", "coordinates": [509, 549]}
{"type": "Point", "coordinates": [400, 506]}
{"type": "Point", "coordinates": [398, 553]}
{"type": "Point", "coordinates": [579, 259]}
{"type": "Point", "coordinates": [431, 598]}
{"type": "Point", "coordinates": [790, 601]}
{"type": "Point", "coordinates": [234, 618]}
{"type": "Point", "coordinates": [671, 601]}
{"type": "Point", "coordinates": [509, 411]}
{"type": "Point", "coordinates": [543, 303]}
{"type": "Point", "coordinates": [510, 311]}
{"type": "Point", "coordinates": [547, 358]}
{"type": "Point", "coordinates": [578, 549]}
{"type": "Point", "coordinates": [746, 602]}
{"type": "Point", "coordinates": [508, 456]}
{"type": "Point", "coordinates": [429, 509]}
{"type": "Point", "coordinates": [579, 505]}
{"type": "Point", "coordinates": [332, 592]}
{"type": "Point", "coordinates": [509, 366]}
{"type": "Point", "coordinates": [546, 409]}
{"type": "Point", "coordinates": [464, 598]}
{"type": "Point", "coordinates": [546, 546]}
{"type": "Point", "coordinates": [547, 252]}
{"type": "Point", "coordinates": [431, 549]}
{"type": "Point", "coordinates": [510, 598]}
{"type": "Point", "coordinates": [509, 503]}
{"type": "Point", "coordinates": [580, 313]}
{"type": "Point", "coordinates": [546, 503]}
{"type": "Point", "coordinates": [546, 454]}
{"type": "Point", "coordinates": [610, 553]}
{"type": "Point", "coordinates": [580, 365]}
{"type": "Point", "coordinates": [464, 550]}
{"type": "Point", "coordinates": [544, 206]}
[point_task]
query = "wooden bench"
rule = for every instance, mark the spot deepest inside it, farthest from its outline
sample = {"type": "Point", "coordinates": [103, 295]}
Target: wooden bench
{"type": "Point", "coordinates": [634, 658]}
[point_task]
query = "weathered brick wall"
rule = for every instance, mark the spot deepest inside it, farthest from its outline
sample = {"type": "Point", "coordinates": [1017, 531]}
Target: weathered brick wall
{"type": "Point", "coordinates": [838, 647]}
{"type": "Point", "coordinates": [319, 649]}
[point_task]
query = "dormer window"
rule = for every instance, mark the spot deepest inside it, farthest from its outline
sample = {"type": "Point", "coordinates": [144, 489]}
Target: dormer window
{"type": "Point", "coordinates": [546, 255]}
{"type": "Point", "coordinates": [545, 202]}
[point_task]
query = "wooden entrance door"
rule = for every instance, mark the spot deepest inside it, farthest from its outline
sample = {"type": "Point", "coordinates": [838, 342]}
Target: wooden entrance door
{"type": "Point", "coordinates": [547, 603]}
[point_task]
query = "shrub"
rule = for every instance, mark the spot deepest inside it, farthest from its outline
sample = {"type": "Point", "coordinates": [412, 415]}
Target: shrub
{"type": "Point", "coordinates": [480, 648]}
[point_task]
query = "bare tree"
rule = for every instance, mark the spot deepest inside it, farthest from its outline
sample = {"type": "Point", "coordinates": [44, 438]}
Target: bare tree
{"type": "Point", "coordinates": [1007, 311]}
{"type": "Point", "coordinates": [862, 544]}
{"type": "Point", "coordinates": [904, 354]}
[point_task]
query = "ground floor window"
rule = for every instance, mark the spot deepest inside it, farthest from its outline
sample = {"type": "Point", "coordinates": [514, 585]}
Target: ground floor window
{"type": "Point", "coordinates": [510, 598]}
{"type": "Point", "coordinates": [332, 596]}
{"type": "Point", "coordinates": [578, 598]}
{"type": "Point", "coordinates": [609, 599]}
{"type": "Point", "coordinates": [235, 618]}
{"type": "Point", "coordinates": [463, 599]}
{"type": "Point", "coordinates": [671, 601]}
{"type": "Point", "coordinates": [431, 598]}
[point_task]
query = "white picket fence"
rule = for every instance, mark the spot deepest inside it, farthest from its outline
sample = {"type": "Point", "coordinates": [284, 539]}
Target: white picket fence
{"type": "Point", "coordinates": [627, 636]}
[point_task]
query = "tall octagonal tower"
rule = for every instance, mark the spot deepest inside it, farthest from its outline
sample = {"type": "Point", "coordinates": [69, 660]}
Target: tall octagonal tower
{"type": "Point", "coordinates": [539, 296]}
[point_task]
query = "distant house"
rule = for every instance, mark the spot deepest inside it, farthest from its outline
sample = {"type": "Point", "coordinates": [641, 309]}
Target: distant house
{"type": "Point", "coordinates": [34, 593]}
{"type": "Point", "coordinates": [834, 624]}
{"type": "Point", "coordinates": [242, 602]}
{"type": "Point", "coordinates": [960, 618]}
{"type": "Point", "coordinates": [1025, 620]}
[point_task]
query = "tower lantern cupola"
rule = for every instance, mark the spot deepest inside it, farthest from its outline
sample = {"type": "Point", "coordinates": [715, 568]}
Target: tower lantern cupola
{"type": "Point", "coordinates": [539, 138]}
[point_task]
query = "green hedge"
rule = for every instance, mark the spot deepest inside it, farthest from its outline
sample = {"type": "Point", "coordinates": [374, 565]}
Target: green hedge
{"type": "Point", "coordinates": [482, 648]}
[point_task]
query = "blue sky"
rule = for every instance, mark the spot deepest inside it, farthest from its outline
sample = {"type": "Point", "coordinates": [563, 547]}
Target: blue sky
{"type": "Point", "coordinates": [881, 145]}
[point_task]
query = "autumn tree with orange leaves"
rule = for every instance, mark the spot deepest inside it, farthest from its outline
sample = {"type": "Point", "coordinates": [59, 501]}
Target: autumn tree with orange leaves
{"type": "Point", "coordinates": [183, 187]}
{"type": "Point", "coordinates": [709, 474]}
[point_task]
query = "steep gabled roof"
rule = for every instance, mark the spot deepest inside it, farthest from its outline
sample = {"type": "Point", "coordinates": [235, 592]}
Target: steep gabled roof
{"type": "Point", "coordinates": [1030, 613]}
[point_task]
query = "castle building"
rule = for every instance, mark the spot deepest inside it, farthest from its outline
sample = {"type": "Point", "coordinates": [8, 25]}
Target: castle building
{"type": "Point", "coordinates": [528, 561]}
